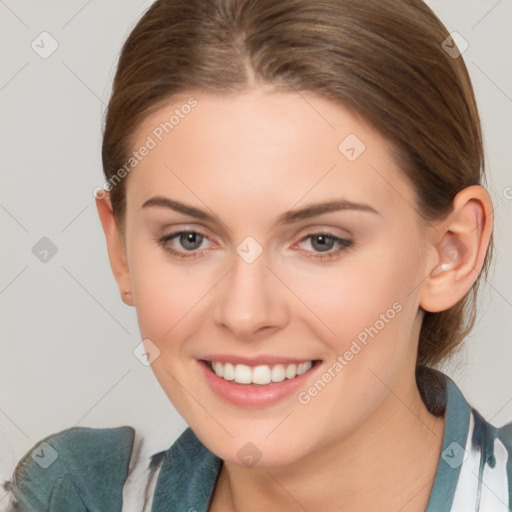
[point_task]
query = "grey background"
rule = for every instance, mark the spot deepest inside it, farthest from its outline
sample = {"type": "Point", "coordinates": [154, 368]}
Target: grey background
{"type": "Point", "coordinates": [67, 339]}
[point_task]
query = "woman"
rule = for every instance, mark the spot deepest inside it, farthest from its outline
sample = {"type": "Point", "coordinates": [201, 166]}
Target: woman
{"type": "Point", "coordinates": [294, 206]}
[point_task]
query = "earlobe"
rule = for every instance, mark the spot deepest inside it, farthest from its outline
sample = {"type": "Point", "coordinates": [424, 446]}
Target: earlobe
{"type": "Point", "coordinates": [460, 247]}
{"type": "Point", "coordinates": [115, 247]}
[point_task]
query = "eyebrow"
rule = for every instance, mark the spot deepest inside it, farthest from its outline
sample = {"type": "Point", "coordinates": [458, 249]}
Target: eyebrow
{"type": "Point", "coordinates": [288, 217]}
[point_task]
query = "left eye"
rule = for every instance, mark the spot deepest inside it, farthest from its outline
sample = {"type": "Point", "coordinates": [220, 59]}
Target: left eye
{"type": "Point", "coordinates": [324, 242]}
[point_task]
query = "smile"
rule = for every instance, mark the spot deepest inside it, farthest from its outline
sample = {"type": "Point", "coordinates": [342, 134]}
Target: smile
{"type": "Point", "coordinates": [261, 374]}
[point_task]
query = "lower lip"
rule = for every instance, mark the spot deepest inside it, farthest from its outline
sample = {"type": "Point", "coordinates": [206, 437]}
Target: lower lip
{"type": "Point", "coordinates": [255, 395]}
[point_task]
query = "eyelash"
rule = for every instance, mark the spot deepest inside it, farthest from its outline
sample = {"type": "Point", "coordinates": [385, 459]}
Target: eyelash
{"type": "Point", "coordinates": [325, 256]}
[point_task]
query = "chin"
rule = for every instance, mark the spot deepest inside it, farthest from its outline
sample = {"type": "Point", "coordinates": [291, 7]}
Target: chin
{"type": "Point", "coordinates": [257, 448]}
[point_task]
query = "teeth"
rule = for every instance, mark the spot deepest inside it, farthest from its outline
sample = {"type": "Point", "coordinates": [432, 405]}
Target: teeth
{"type": "Point", "coordinates": [259, 375]}
{"type": "Point", "coordinates": [278, 373]}
{"type": "Point", "coordinates": [228, 372]}
{"type": "Point", "coordinates": [291, 371]}
{"type": "Point", "coordinates": [303, 368]}
{"type": "Point", "coordinates": [262, 374]}
{"type": "Point", "coordinates": [217, 368]}
{"type": "Point", "coordinates": [243, 374]}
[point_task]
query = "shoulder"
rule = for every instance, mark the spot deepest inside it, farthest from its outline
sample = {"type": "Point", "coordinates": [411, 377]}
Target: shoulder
{"type": "Point", "coordinates": [77, 469]}
{"type": "Point", "coordinates": [476, 457]}
{"type": "Point", "coordinates": [489, 464]}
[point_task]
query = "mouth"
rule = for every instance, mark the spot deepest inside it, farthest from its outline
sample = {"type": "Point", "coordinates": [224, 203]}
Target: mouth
{"type": "Point", "coordinates": [259, 375]}
{"type": "Point", "coordinates": [257, 383]}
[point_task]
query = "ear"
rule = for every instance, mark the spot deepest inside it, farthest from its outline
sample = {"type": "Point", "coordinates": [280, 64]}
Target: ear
{"type": "Point", "coordinates": [115, 246]}
{"type": "Point", "coordinates": [460, 247]}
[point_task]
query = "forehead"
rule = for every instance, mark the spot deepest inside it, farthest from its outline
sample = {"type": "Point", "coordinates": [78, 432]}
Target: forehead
{"type": "Point", "coordinates": [250, 145]}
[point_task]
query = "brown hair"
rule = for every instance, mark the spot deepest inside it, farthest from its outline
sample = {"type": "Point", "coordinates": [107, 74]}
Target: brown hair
{"type": "Point", "coordinates": [382, 59]}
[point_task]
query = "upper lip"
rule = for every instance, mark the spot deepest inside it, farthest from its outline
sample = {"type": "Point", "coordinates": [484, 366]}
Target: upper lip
{"type": "Point", "coordinates": [255, 361]}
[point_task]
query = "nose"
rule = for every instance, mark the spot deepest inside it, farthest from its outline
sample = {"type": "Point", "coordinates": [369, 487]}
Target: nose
{"type": "Point", "coordinates": [250, 300]}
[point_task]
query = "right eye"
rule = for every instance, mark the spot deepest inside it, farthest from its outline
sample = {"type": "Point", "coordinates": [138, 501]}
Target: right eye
{"type": "Point", "coordinates": [190, 241]}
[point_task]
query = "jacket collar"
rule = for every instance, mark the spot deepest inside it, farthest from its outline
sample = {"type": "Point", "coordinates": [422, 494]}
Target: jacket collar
{"type": "Point", "coordinates": [187, 477]}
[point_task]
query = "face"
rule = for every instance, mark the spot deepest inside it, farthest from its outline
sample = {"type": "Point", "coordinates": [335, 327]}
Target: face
{"type": "Point", "coordinates": [234, 259]}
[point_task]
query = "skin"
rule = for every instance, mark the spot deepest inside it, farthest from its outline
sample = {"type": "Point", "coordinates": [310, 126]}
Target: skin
{"type": "Point", "coordinates": [366, 441]}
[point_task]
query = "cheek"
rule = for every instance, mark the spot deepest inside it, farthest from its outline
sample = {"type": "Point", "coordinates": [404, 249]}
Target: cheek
{"type": "Point", "coordinates": [164, 293]}
{"type": "Point", "coordinates": [370, 311]}
{"type": "Point", "coordinates": [169, 307]}
{"type": "Point", "coordinates": [370, 290]}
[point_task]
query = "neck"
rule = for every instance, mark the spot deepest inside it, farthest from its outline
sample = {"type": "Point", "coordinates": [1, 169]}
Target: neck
{"type": "Point", "coordinates": [387, 463]}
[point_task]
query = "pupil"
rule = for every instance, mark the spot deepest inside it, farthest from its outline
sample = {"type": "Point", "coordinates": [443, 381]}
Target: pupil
{"type": "Point", "coordinates": [187, 238]}
{"type": "Point", "coordinates": [323, 245]}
